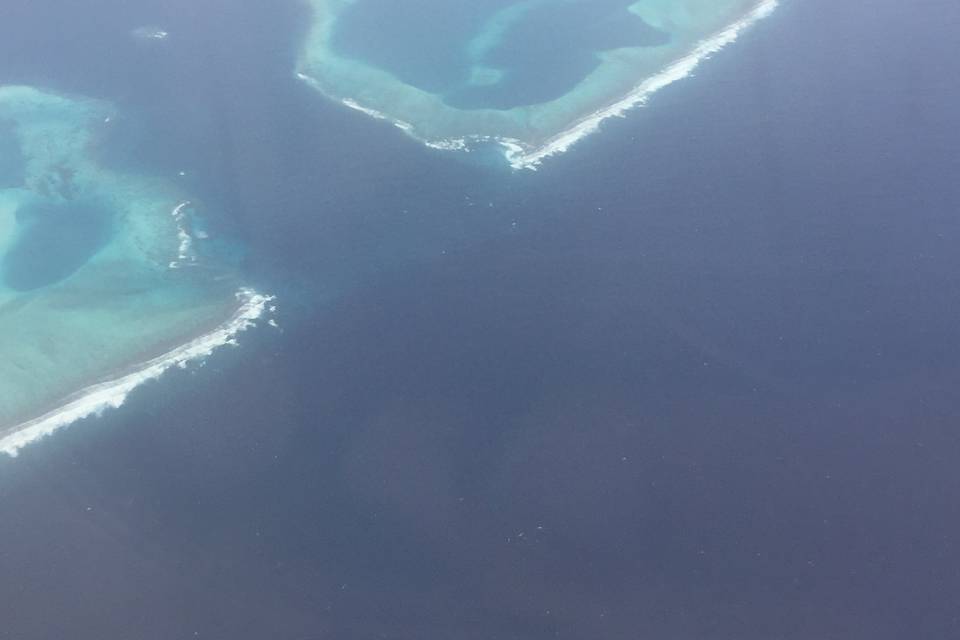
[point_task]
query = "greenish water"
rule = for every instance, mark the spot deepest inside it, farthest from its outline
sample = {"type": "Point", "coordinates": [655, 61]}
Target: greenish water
{"type": "Point", "coordinates": [532, 75]}
{"type": "Point", "coordinates": [494, 54]}
{"type": "Point", "coordinates": [54, 240]}
{"type": "Point", "coordinates": [100, 270]}
{"type": "Point", "coordinates": [11, 159]}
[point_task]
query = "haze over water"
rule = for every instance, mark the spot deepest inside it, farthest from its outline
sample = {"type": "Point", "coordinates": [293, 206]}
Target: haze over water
{"type": "Point", "coordinates": [533, 76]}
{"type": "Point", "coordinates": [694, 378]}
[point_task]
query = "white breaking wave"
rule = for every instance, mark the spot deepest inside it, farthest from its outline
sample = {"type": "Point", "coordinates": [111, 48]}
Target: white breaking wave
{"type": "Point", "coordinates": [185, 249]}
{"type": "Point", "coordinates": [450, 144]}
{"type": "Point", "coordinates": [94, 400]}
{"type": "Point", "coordinates": [373, 113]}
{"type": "Point", "coordinates": [520, 158]}
{"type": "Point", "coordinates": [453, 144]}
{"type": "Point", "coordinates": [523, 156]}
{"type": "Point", "coordinates": [150, 33]}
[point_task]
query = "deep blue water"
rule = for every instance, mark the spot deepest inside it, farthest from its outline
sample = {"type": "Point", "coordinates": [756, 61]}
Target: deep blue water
{"type": "Point", "coordinates": [694, 379]}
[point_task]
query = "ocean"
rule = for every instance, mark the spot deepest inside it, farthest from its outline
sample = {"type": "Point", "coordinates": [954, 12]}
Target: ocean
{"type": "Point", "coordinates": [694, 378]}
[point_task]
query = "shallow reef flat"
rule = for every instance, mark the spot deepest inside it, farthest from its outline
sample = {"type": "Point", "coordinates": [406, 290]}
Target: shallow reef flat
{"type": "Point", "coordinates": [534, 76]}
{"type": "Point", "coordinates": [102, 284]}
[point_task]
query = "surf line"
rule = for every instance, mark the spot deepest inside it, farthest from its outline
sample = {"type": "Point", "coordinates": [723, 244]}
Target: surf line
{"type": "Point", "coordinates": [184, 254]}
{"type": "Point", "coordinates": [111, 394]}
{"type": "Point", "coordinates": [525, 155]}
{"type": "Point", "coordinates": [521, 158]}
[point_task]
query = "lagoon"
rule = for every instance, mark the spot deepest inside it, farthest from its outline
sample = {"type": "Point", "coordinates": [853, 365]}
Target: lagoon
{"type": "Point", "coordinates": [102, 284]}
{"type": "Point", "coordinates": [533, 76]}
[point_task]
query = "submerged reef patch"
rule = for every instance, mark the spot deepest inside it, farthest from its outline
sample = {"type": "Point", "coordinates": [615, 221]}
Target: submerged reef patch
{"type": "Point", "coordinates": [102, 284]}
{"type": "Point", "coordinates": [531, 75]}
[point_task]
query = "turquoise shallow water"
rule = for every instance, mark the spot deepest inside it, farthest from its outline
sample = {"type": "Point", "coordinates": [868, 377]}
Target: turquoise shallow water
{"type": "Point", "coordinates": [532, 75]}
{"type": "Point", "coordinates": [11, 159]}
{"type": "Point", "coordinates": [706, 362]}
{"type": "Point", "coordinates": [494, 54]}
{"type": "Point", "coordinates": [100, 270]}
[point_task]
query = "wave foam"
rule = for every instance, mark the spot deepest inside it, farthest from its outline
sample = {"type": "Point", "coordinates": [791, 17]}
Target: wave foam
{"type": "Point", "coordinates": [521, 158]}
{"type": "Point", "coordinates": [94, 400]}
{"type": "Point", "coordinates": [521, 155]}
{"type": "Point", "coordinates": [373, 113]}
{"type": "Point", "coordinates": [184, 250]}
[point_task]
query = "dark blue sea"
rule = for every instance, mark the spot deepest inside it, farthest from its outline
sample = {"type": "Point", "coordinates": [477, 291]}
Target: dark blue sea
{"type": "Point", "coordinates": [696, 378]}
